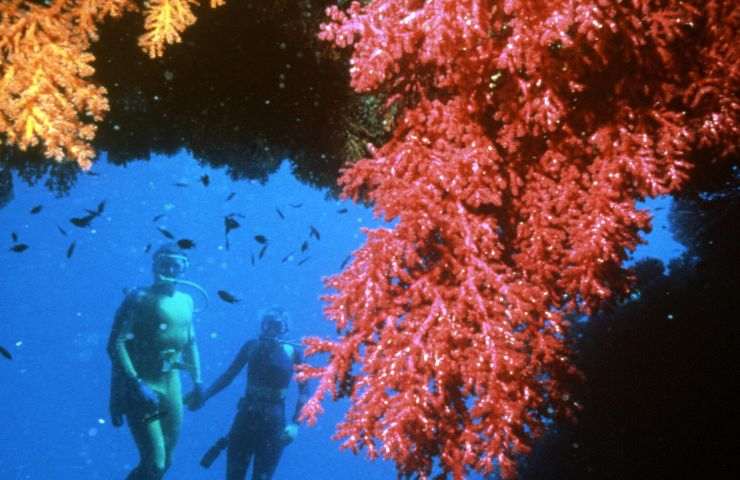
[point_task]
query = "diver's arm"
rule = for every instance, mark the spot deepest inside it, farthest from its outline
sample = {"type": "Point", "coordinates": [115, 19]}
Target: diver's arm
{"type": "Point", "coordinates": [192, 358]}
{"type": "Point", "coordinates": [302, 388]}
{"type": "Point", "coordinates": [120, 334]}
{"type": "Point", "coordinates": [301, 400]}
{"type": "Point", "coordinates": [230, 374]}
{"type": "Point", "coordinates": [290, 432]}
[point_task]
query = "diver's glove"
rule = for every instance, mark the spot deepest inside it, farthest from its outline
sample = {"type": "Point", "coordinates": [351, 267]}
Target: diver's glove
{"type": "Point", "coordinates": [116, 417]}
{"type": "Point", "coordinates": [196, 398]}
{"type": "Point", "coordinates": [290, 432]}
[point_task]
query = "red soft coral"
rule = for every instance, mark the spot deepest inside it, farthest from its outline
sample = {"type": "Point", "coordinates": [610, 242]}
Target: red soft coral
{"type": "Point", "coordinates": [529, 130]}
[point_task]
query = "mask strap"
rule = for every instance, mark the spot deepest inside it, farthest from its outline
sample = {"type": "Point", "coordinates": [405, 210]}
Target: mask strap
{"type": "Point", "coordinates": [185, 260]}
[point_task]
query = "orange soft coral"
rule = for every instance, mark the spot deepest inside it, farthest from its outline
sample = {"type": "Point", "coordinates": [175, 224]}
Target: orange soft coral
{"type": "Point", "coordinates": [46, 96]}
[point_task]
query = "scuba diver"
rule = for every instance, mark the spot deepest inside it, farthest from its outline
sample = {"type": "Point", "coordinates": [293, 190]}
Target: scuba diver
{"type": "Point", "coordinates": [151, 340]}
{"type": "Point", "coordinates": [259, 431]}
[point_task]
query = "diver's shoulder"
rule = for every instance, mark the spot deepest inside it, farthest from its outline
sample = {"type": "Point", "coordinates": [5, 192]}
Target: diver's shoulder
{"type": "Point", "coordinates": [293, 350]}
{"type": "Point", "coordinates": [134, 294]}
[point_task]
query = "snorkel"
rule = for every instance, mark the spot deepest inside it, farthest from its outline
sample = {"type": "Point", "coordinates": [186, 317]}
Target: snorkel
{"type": "Point", "coordinates": [169, 264]}
{"type": "Point", "coordinates": [188, 283]}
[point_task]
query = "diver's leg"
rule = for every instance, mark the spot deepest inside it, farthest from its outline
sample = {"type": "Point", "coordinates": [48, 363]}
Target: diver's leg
{"type": "Point", "coordinates": [266, 457]}
{"type": "Point", "coordinates": [150, 443]}
{"type": "Point", "coordinates": [269, 447]}
{"type": "Point", "coordinates": [171, 408]}
{"type": "Point", "coordinates": [241, 446]}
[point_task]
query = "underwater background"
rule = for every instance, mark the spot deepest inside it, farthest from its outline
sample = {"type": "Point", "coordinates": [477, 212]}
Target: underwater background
{"type": "Point", "coordinates": [57, 310]}
{"type": "Point", "coordinates": [252, 101]}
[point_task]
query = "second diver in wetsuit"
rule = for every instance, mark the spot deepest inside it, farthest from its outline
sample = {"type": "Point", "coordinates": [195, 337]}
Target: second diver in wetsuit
{"type": "Point", "coordinates": [151, 340]}
{"type": "Point", "coordinates": [259, 431]}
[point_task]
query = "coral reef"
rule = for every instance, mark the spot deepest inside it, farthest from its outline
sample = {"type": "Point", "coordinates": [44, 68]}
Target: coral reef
{"type": "Point", "coordinates": [528, 132]}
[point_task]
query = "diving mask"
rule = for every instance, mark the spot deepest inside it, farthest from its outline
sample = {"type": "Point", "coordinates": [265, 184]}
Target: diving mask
{"type": "Point", "coordinates": [273, 325]}
{"type": "Point", "coordinates": [171, 265]}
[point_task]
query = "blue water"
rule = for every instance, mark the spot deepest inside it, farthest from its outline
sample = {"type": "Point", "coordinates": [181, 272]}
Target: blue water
{"type": "Point", "coordinates": [56, 312]}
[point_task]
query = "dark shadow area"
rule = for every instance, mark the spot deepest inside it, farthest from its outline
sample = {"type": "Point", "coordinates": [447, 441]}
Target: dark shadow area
{"type": "Point", "coordinates": [657, 396]}
{"type": "Point", "coordinates": [249, 86]}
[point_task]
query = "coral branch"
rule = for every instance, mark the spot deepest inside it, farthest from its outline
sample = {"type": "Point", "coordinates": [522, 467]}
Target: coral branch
{"type": "Point", "coordinates": [46, 96]}
{"type": "Point", "coordinates": [527, 132]}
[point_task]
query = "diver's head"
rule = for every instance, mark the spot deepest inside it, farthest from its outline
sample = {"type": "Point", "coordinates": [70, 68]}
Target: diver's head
{"type": "Point", "coordinates": [274, 322]}
{"type": "Point", "coordinates": [169, 263]}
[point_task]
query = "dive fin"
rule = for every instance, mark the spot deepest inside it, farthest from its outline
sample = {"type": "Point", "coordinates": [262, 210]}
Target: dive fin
{"type": "Point", "coordinates": [212, 454]}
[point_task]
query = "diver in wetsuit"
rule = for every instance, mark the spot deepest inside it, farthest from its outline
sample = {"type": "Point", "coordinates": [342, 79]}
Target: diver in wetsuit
{"type": "Point", "coordinates": [259, 431]}
{"type": "Point", "coordinates": [151, 341]}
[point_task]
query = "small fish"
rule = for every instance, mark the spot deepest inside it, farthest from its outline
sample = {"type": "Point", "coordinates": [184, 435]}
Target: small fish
{"type": "Point", "coordinates": [181, 184]}
{"type": "Point", "coordinates": [304, 246]}
{"type": "Point", "coordinates": [262, 252]}
{"type": "Point", "coordinates": [14, 236]}
{"type": "Point", "coordinates": [5, 353]}
{"type": "Point", "coordinates": [260, 239]}
{"type": "Point", "coordinates": [345, 262]}
{"type": "Point", "coordinates": [159, 217]}
{"type": "Point", "coordinates": [185, 243]}
{"type": "Point", "coordinates": [314, 232]}
{"type": "Point", "coordinates": [303, 261]}
{"type": "Point", "coordinates": [148, 247]}
{"type": "Point", "coordinates": [36, 209]}
{"type": "Point", "coordinates": [82, 222]}
{"type": "Point", "coordinates": [230, 223]}
{"type": "Point", "coordinates": [342, 210]}
{"type": "Point", "coordinates": [19, 247]}
{"type": "Point", "coordinates": [166, 233]}
{"type": "Point", "coordinates": [231, 195]}
{"type": "Point", "coordinates": [296, 205]}
{"type": "Point", "coordinates": [71, 248]}
{"type": "Point", "coordinates": [280, 214]}
{"type": "Point", "coordinates": [252, 259]}
{"type": "Point", "coordinates": [227, 297]}
{"type": "Point", "coordinates": [62, 231]}
{"type": "Point", "coordinates": [92, 174]}
{"type": "Point", "coordinates": [205, 180]}
{"type": "Point", "coordinates": [287, 257]}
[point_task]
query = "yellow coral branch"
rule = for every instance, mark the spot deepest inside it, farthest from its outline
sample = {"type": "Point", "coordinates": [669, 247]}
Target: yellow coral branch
{"type": "Point", "coordinates": [165, 19]}
{"type": "Point", "coordinates": [46, 96]}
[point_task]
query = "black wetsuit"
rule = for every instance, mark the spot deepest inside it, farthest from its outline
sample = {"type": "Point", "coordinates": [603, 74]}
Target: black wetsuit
{"type": "Point", "coordinates": [257, 431]}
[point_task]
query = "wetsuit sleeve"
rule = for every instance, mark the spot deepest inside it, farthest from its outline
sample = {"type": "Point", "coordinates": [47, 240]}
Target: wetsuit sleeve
{"type": "Point", "coordinates": [239, 362]}
{"type": "Point", "coordinates": [192, 357]}
{"type": "Point", "coordinates": [302, 387]}
{"type": "Point", "coordinates": [121, 333]}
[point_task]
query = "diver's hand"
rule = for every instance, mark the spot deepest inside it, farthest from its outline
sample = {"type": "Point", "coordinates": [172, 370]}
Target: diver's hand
{"type": "Point", "coordinates": [290, 432]}
{"type": "Point", "coordinates": [117, 401]}
{"type": "Point", "coordinates": [116, 419]}
{"type": "Point", "coordinates": [195, 399]}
